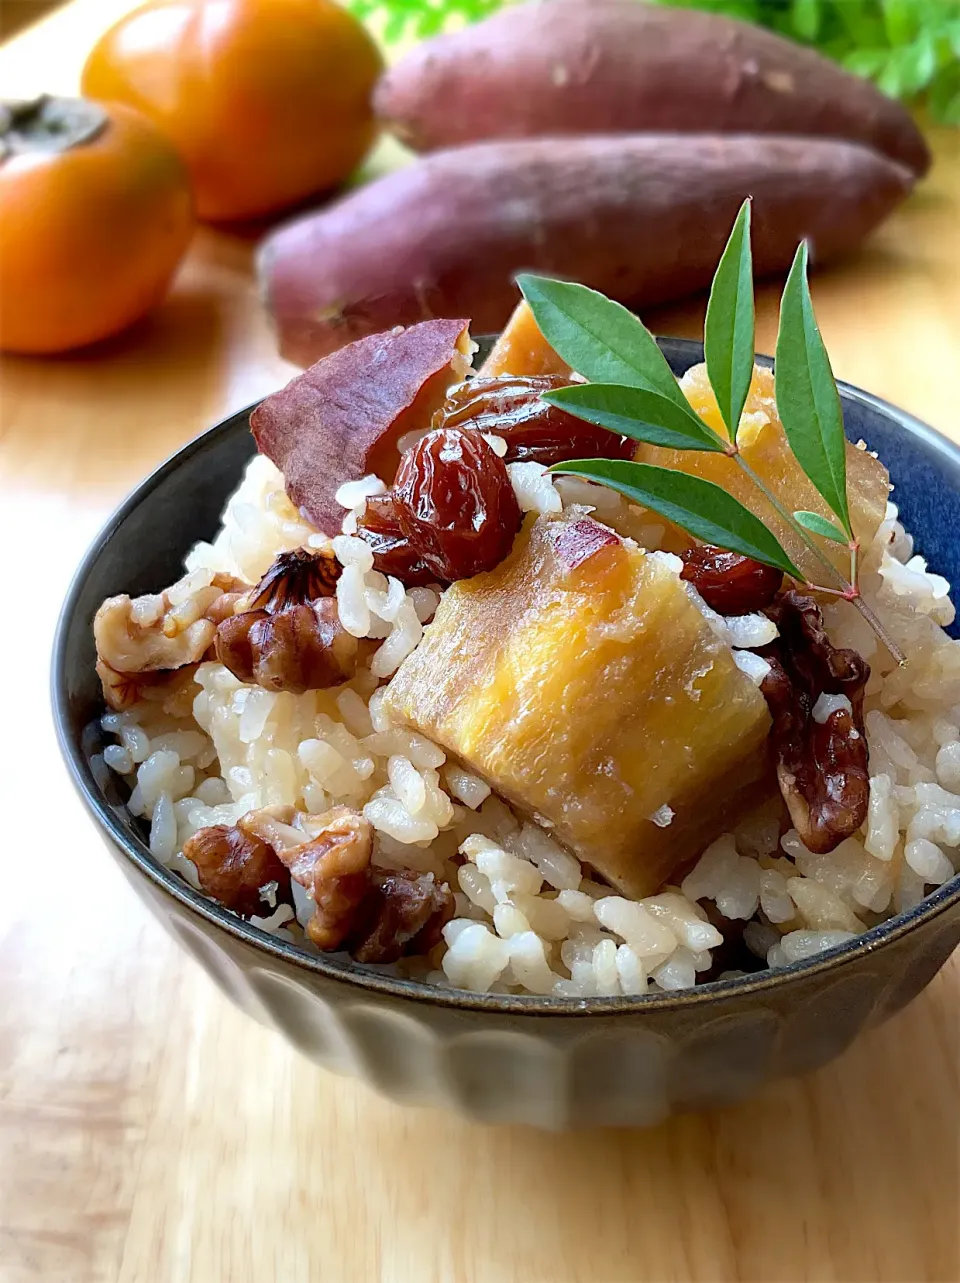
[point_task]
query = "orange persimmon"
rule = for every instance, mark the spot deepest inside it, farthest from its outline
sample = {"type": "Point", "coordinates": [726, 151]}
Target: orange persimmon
{"type": "Point", "coordinates": [95, 215]}
{"type": "Point", "coordinates": [268, 101]}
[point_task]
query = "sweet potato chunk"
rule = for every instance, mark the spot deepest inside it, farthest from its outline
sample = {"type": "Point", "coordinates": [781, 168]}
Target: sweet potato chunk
{"type": "Point", "coordinates": [580, 680]}
{"type": "Point", "coordinates": [522, 349]}
{"type": "Point", "coordinates": [763, 444]}
{"type": "Point", "coordinates": [341, 419]}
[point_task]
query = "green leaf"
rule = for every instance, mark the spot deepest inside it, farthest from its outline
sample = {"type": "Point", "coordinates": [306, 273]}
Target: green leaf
{"type": "Point", "coordinates": [598, 338]}
{"type": "Point", "coordinates": [910, 69]}
{"type": "Point", "coordinates": [900, 20]}
{"type": "Point", "coordinates": [867, 62]}
{"type": "Point", "coordinates": [807, 398]}
{"type": "Point", "coordinates": [806, 18]}
{"type": "Point", "coordinates": [640, 413]}
{"type": "Point", "coordinates": [818, 525]}
{"type": "Point", "coordinates": [729, 334]}
{"type": "Point", "coordinates": [705, 510]}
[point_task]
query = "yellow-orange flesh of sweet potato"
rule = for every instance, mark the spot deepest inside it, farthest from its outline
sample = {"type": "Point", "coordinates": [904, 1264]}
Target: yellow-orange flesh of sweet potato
{"type": "Point", "coordinates": [763, 444]}
{"type": "Point", "coordinates": [521, 349]}
{"type": "Point", "coordinates": [591, 696]}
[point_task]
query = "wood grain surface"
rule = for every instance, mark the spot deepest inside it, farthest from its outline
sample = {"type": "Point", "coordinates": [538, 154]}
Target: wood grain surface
{"type": "Point", "coordinates": [149, 1133]}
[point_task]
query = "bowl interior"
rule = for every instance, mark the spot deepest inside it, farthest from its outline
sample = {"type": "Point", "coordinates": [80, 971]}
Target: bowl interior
{"type": "Point", "coordinates": [142, 547]}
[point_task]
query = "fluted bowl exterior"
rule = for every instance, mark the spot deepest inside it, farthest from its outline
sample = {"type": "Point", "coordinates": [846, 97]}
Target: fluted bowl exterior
{"type": "Point", "coordinates": [544, 1061]}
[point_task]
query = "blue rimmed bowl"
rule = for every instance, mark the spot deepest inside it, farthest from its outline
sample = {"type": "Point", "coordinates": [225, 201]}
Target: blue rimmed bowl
{"type": "Point", "coordinates": [546, 1061]}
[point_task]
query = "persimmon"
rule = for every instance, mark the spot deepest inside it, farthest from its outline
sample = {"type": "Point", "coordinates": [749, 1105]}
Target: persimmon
{"type": "Point", "coordinates": [268, 101]}
{"type": "Point", "coordinates": [95, 215]}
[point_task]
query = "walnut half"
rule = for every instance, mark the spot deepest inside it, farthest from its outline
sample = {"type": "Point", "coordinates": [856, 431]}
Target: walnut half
{"type": "Point", "coordinates": [141, 641]}
{"type": "Point", "coordinates": [232, 866]}
{"type": "Point", "coordinates": [329, 854]}
{"type": "Point", "coordinates": [821, 765]}
{"type": "Point", "coordinates": [377, 915]}
{"type": "Point", "coordinates": [286, 633]}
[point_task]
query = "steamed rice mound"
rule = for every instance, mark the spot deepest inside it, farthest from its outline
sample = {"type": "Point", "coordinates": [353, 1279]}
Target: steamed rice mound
{"type": "Point", "coordinates": [529, 919]}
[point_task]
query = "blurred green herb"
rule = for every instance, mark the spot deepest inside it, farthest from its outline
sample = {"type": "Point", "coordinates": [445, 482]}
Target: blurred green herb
{"type": "Point", "coordinates": [396, 20]}
{"type": "Point", "coordinates": [910, 48]}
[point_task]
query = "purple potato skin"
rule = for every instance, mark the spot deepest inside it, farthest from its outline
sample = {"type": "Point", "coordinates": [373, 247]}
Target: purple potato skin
{"type": "Point", "coordinates": [641, 217]}
{"type": "Point", "coordinates": [618, 66]}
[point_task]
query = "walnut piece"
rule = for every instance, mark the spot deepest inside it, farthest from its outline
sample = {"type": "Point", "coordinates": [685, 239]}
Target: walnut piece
{"type": "Point", "coordinates": [286, 635]}
{"type": "Point", "coordinates": [233, 865]}
{"type": "Point", "coordinates": [821, 766]}
{"type": "Point", "coordinates": [156, 634]}
{"type": "Point", "coordinates": [294, 577]}
{"type": "Point", "coordinates": [332, 864]}
{"type": "Point", "coordinates": [403, 912]}
{"type": "Point", "coordinates": [174, 691]}
{"type": "Point", "coordinates": [377, 915]}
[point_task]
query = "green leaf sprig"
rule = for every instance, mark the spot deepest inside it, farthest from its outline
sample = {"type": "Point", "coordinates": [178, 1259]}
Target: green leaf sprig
{"type": "Point", "coordinates": [631, 390]}
{"type": "Point", "coordinates": [807, 398]}
{"type": "Point", "coordinates": [731, 325]}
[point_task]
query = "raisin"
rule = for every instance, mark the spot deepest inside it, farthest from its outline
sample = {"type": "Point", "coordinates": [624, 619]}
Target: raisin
{"type": "Point", "coordinates": [535, 432]}
{"type": "Point", "coordinates": [456, 504]}
{"type": "Point", "coordinates": [729, 583]}
{"type": "Point", "coordinates": [393, 554]}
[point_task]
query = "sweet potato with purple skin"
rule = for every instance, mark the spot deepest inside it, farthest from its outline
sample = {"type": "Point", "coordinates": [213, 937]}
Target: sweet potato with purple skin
{"type": "Point", "coordinates": [617, 66]}
{"type": "Point", "coordinates": [642, 217]}
{"type": "Point", "coordinates": [342, 418]}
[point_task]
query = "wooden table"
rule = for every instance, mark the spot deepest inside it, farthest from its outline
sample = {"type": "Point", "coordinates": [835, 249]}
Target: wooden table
{"type": "Point", "coordinates": [150, 1133]}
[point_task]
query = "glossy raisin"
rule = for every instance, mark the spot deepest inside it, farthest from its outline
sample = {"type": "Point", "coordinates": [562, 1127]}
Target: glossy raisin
{"type": "Point", "coordinates": [534, 431]}
{"type": "Point", "coordinates": [393, 553]}
{"type": "Point", "coordinates": [456, 504]}
{"type": "Point", "coordinates": [729, 583]}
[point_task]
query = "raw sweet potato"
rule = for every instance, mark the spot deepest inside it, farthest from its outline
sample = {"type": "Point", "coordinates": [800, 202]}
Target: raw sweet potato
{"type": "Point", "coordinates": [642, 217]}
{"type": "Point", "coordinates": [342, 418]}
{"type": "Point", "coordinates": [618, 66]}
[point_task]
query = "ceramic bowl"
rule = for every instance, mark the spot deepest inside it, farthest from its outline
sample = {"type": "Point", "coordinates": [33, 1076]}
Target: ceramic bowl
{"type": "Point", "coordinates": [545, 1061]}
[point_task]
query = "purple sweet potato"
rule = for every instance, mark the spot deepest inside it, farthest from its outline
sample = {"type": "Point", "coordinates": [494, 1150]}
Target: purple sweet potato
{"type": "Point", "coordinates": [342, 418]}
{"type": "Point", "coordinates": [642, 217]}
{"type": "Point", "coordinates": [618, 66]}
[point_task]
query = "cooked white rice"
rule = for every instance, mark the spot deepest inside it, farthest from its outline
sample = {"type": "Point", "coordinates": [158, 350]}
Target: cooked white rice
{"type": "Point", "coordinates": [528, 921]}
